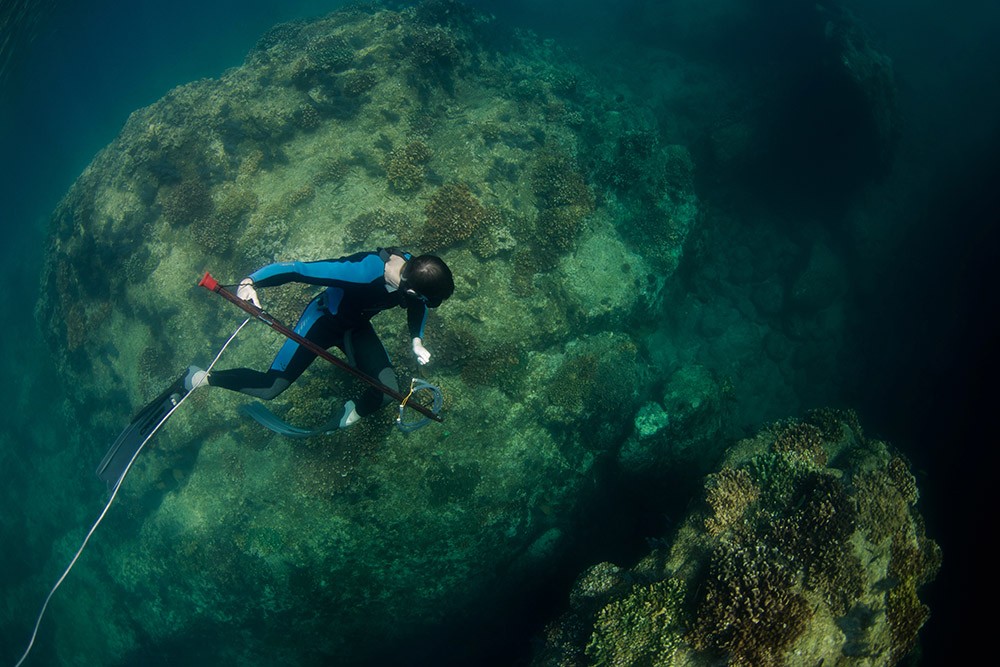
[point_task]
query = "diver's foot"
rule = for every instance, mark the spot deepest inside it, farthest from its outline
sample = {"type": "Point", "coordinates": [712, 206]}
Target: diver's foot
{"type": "Point", "coordinates": [195, 378]}
{"type": "Point", "coordinates": [350, 415]}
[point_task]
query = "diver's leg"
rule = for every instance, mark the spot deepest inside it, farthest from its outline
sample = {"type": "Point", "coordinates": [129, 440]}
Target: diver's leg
{"type": "Point", "coordinates": [291, 361]}
{"type": "Point", "coordinates": [252, 383]}
{"type": "Point", "coordinates": [366, 353]}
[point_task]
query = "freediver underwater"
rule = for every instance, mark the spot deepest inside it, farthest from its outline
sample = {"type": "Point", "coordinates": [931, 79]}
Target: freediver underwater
{"type": "Point", "coordinates": [357, 288]}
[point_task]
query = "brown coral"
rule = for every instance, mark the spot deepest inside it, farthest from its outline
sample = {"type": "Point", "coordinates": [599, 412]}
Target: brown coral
{"type": "Point", "coordinates": [454, 215]}
{"type": "Point", "coordinates": [749, 608]}
{"type": "Point", "coordinates": [644, 627]}
{"type": "Point", "coordinates": [729, 493]}
{"type": "Point", "coordinates": [910, 566]}
{"type": "Point", "coordinates": [563, 200]}
{"type": "Point", "coordinates": [186, 202]}
{"type": "Point", "coordinates": [379, 227]}
{"type": "Point", "coordinates": [432, 47]}
{"type": "Point", "coordinates": [801, 440]}
{"type": "Point", "coordinates": [779, 557]}
{"type": "Point", "coordinates": [406, 166]}
{"type": "Point", "coordinates": [882, 506]}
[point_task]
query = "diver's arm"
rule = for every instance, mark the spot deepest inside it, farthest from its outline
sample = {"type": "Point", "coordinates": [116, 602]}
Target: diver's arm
{"type": "Point", "coordinates": [358, 268]}
{"type": "Point", "coordinates": [416, 318]}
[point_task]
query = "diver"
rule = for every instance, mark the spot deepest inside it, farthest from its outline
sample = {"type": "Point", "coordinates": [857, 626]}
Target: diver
{"type": "Point", "coordinates": [358, 287]}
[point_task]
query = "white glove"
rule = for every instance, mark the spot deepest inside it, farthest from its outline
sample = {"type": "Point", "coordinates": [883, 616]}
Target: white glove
{"type": "Point", "coordinates": [423, 356]}
{"type": "Point", "coordinates": [246, 292]}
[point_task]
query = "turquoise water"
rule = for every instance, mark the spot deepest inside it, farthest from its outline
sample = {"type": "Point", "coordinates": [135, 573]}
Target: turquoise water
{"type": "Point", "coordinates": [909, 307]}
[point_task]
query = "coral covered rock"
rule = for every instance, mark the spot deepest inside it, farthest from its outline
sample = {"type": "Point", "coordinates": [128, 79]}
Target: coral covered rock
{"type": "Point", "coordinates": [429, 128]}
{"type": "Point", "coordinates": [807, 550]}
{"type": "Point", "coordinates": [682, 428]}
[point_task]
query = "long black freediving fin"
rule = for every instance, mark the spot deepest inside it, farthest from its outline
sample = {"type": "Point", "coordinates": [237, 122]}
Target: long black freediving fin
{"type": "Point", "coordinates": [114, 463]}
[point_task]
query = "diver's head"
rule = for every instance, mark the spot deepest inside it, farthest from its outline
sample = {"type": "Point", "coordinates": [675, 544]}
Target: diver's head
{"type": "Point", "coordinates": [428, 279]}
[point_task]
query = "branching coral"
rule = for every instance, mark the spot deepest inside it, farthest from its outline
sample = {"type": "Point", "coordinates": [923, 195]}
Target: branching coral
{"type": "Point", "coordinates": [406, 166]}
{"type": "Point", "coordinates": [572, 387]}
{"type": "Point", "coordinates": [307, 117]}
{"type": "Point", "coordinates": [882, 505]}
{"type": "Point", "coordinates": [322, 58]}
{"type": "Point", "coordinates": [188, 201]}
{"type": "Point", "coordinates": [281, 34]}
{"type": "Point", "coordinates": [599, 582]}
{"type": "Point", "coordinates": [232, 209]}
{"type": "Point", "coordinates": [626, 169]}
{"type": "Point", "coordinates": [563, 199]}
{"type": "Point", "coordinates": [729, 493]}
{"type": "Point", "coordinates": [454, 215]}
{"type": "Point", "coordinates": [910, 566]}
{"type": "Point", "coordinates": [642, 628]}
{"type": "Point", "coordinates": [556, 181]}
{"type": "Point", "coordinates": [432, 48]}
{"type": "Point", "coordinates": [832, 423]}
{"type": "Point", "coordinates": [330, 52]}
{"type": "Point", "coordinates": [788, 549]}
{"type": "Point", "coordinates": [800, 440]}
{"type": "Point", "coordinates": [590, 377]}
{"type": "Point", "coordinates": [814, 533]}
{"type": "Point", "coordinates": [656, 187]}
{"type": "Point", "coordinates": [499, 365]}
{"type": "Point", "coordinates": [443, 12]}
{"type": "Point", "coordinates": [379, 227]}
{"type": "Point", "coordinates": [777, 475]}
{"type": "Point", "coordinates": [494, 236]}
{"type": "Point", "coordinates": [749, 608]}
{"type": "Point", "coordinates": [359, 82]}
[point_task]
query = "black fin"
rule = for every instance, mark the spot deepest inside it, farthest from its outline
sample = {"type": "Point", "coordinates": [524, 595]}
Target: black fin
{"type": "Point", "coordinates": [113, 465]}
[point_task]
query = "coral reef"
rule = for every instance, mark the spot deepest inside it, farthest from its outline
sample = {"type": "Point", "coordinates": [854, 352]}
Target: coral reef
{"type": "Point", "coordinates": [454, 215]}
{"type": "Point", "coordinates": [750, 611]}
{"type": "Point", "coordinates": [563, 200]}
{"type": "Point", "coordinates": [767, 572]}
{"type": "Point", "coordinates": [640, 628]}
{"type": "Point", "coordinates": [431, 128]}
{"type": "Point", "coordinates": [406, 166]}
{"type": "Point", "coordinates": [189, 201]}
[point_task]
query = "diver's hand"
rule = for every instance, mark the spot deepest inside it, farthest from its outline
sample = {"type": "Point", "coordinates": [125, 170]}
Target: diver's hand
{"type": "Point", "coordinates": [246, 292]}
{"type": "Point", "coordinates": [423, 356]}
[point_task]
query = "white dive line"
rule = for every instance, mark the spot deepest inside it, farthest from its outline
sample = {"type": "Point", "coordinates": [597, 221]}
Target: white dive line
{"type": "Point", "coordinates": [107, 506]}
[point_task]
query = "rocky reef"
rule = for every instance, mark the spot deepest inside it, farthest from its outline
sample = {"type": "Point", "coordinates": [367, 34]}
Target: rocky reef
{"type": "Point", "coordinates": [428, 128]}
{"type": "Point", "coordinates": [574, 352]}
{"type": "Point", "coordinates": [806, 548]}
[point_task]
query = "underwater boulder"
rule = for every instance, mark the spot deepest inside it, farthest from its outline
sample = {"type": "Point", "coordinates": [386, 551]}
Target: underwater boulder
{"type": "Point", "coordinates": [428, 128]}
{"type": "Point", "coordinates": [679, 431]}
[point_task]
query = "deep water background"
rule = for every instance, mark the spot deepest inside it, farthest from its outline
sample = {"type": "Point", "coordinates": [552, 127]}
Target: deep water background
{"type": "Point", "coordinates": [917, 358]}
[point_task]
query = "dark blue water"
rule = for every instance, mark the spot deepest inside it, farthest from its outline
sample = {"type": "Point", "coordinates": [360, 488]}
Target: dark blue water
{"type": "Point", "coordinates": [921, 325]}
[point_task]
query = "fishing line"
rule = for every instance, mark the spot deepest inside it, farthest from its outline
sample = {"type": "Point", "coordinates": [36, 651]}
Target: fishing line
{"type": "Point", "coordinates": [114, 493]}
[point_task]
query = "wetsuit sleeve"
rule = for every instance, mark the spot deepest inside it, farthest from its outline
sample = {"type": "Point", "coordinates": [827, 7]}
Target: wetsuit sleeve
{"type": "Point", "coordinates": [416, 318]}
{"type": "Point", "coordinates": [360, 268]}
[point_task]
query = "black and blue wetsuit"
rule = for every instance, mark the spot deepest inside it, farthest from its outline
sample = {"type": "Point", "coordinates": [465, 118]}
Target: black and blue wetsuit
{"type": "Point", "coordinates": [356, 290]}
